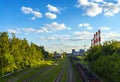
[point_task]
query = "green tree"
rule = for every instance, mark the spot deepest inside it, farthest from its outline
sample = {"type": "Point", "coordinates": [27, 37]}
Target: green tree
{"type": "Point", "coordinates": [15, 44]}
{"type": "Point", "coordinates": [105, 60]}
{"type": "Point", "coordinates": [4, 49]}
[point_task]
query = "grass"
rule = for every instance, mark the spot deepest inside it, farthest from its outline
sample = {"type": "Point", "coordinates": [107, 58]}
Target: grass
{"type": "Point", "coordinates": [7, 78]}
{"type": "Point", "coordinates": [50, 74]}
{"type": "Point", "coordinates": [35, 70]}
{"type": "Point", "coordinates": [23, 74]}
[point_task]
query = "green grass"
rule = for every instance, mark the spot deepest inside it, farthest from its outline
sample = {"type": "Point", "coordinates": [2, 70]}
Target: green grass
{"type": "Point", "coordinates": [30, 73]}
{"type": "Point", "coordinates": [36, 69]}
{"type": "Point", "coordinates": [51, 74]}
{"type": "Point", "coordinates": [23, 74]}
{"type": "Point", "coordinates": [7, 78]}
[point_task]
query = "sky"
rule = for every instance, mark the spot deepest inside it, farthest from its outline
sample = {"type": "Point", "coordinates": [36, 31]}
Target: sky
{"type": "Point", "coordinates": [61, 25]}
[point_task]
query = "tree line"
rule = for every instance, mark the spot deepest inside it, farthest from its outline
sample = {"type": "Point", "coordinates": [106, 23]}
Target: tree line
{"type": "Point", "coordinates": [104, 60]}
{"type": "Point", "coordinates": [18, 54]}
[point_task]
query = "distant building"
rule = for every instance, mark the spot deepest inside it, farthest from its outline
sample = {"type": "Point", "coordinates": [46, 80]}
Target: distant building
{"type": "Point", "coordinates": [78, 53]}
{"type": "Point", "coordinates": [58, 56]}
{"type": "Point", "coordinates": [73, 51]}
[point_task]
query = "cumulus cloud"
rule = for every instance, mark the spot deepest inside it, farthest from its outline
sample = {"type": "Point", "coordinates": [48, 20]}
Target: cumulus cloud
{"type": "Point", "coordinates": [118, 1]}
{"type": "Point", "coordinates": [96, 7]}
{"type": "Point", "coordinates": [110, 9]}
{"type": "Point", "coordinates": [83, 2]}
{"type": "Point", "coordinates": [50, 15]}
{"type": "Point", "coordinates": [86, 25]}
{"type": "Point", "coordinates": [28, 10]}
{"type": "Point", "coordinates": [51, 27]}
{"type": "Point", "coordinates": [52, 8]}
{"type": "Point", "coordinates": [54, 26]}
{"type": "Point", "coordinates": [93, 9]}
{"type": "Point", "coordinates": [84, 35]}
{"type": "Point", "coordinates": [104, 28]}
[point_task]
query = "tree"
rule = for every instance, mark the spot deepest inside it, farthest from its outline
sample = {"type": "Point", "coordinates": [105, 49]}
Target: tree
{"type": "Point", "coordinates": [18, 54]}
{"type": "Point", "coordinates": [4, 49]}
{"type": "Point", "coordinates": [105, 60]}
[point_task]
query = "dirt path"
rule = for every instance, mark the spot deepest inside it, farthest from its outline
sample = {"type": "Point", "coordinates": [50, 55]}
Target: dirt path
{"type": "Point", "coordinates": [70, 74]}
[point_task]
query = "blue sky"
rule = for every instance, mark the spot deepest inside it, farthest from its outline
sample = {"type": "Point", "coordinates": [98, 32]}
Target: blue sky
{"type": "Point", "coordinates": [61, 25]}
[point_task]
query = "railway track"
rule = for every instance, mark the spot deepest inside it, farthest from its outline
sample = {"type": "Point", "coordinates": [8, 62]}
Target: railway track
{"type": "Point", "coordinates": [85, 73]}
{"type": "Point", "coordinates": [36, 74]}
{"type": "Point", "coordinates": [60, 75]}
{"type": "Point", "coordinates": [70, 74]}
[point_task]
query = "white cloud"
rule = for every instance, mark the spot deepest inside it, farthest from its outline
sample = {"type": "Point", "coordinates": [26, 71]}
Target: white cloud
{"type": "Point", "coordinates": [89, 28]}
{"type": "Point", "coordinates": [82, 33]}
{"type": "Point", "coordinates": [55, 38]}
{"type": "Point", "coordinates": [110, 9]}
{"type": "Point", "coordinates": [13, 31]}
{"type": "Point", "coordinates": [83, 2]}
{"type": "Point", "coordinates": [37, 14]}
{"type": "Point", "coordinates": [110, 36]}
{"type": "Point", "coordinates": [52, 8]}
{"type": "Point", "coordinates": [118, 1]}
{"type": "Point", "coordinates": [104, 28]}
{"type": "Point", "coordinates": [93, 10]}
{"type": "Point", "coordinates": [50, 15]}
{"type": "Point", "coordinates": [33, 18]}
{"type": "Point", "coordinates": [28, 30]}
{"type": "Point", "coordinates": [28, 10]}
{"type": "Point", "coordinates": [86, 25]}
{"type": "Point", "coordinates": [98, 0]}
{"type": "Point", "coordinates": [95, 7]}
{"type": "Point", "coordinates": [54, 26]}
{"type": "Point", "coordinates": [45, 29]}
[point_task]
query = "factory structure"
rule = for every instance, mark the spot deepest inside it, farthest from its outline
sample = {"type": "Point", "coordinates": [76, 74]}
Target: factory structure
{"type": "Point", "coordinates": [96, 39]}
{"type": "Point", "coordinates": [94, 42]}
